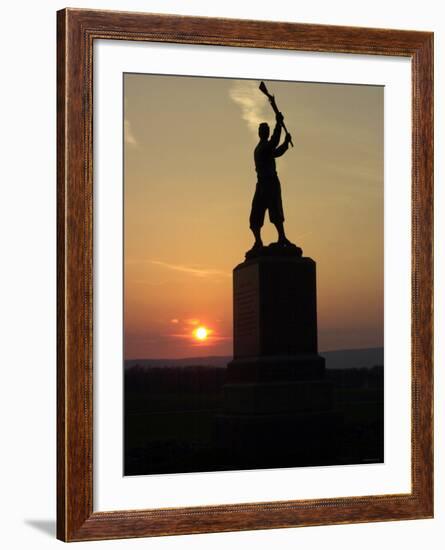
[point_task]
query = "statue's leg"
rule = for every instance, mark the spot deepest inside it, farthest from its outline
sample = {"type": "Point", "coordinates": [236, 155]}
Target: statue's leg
{"type": "Point", "coordinates": [276, 215]}
{"type": "Point", "coordinates": [282, 239]}
{"type": "Point", "coordinates": [257, 234]}
{"type": "Point", "coordinates": [256, 219]}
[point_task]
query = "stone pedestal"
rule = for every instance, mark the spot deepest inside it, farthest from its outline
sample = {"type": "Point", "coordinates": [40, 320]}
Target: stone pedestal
{"type": "Point", "coordinates": [278, 409]}
{"type": "Point", "coordinates": [274, 307]}
{"type": "Point", "coordinates": [275, 321]}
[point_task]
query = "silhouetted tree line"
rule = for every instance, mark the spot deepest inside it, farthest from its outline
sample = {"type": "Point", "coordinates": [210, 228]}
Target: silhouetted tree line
{"type": "Point", "coordinates": [199, 379]}
{"type": "Point", "coordinates": [363, 378]}
{"type": "Point", "coordinates": [174, 379]}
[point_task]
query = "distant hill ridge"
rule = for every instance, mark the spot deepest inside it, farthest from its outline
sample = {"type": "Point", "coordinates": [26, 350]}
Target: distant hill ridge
{"type": "Point", "coordinates": [338, 359]}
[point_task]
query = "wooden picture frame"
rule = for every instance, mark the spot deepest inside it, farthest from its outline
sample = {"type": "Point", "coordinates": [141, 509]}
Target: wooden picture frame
{"type": "Point", "coordinates": [76, 32]}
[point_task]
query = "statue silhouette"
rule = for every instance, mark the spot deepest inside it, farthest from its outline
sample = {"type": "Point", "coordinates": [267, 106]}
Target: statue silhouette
{"type": "Point", "coordinates": [268, 190]}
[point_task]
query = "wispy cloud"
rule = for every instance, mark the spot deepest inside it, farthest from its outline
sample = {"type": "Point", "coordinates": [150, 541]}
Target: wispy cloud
{"type": "Point", "coordinates": [128, 134]}
{"type": "Point", "coordinates": [252, 102]}
{"type": "Point", "coordinates": [211, 338]}
{"type": "Point", "coordinates": [197, 272]}
{"type": "Point", "coordinates": [191, 321]}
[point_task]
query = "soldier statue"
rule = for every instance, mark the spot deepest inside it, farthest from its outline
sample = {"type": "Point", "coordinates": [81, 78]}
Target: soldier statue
{"type": "Point", "coordinates": [268, 190]}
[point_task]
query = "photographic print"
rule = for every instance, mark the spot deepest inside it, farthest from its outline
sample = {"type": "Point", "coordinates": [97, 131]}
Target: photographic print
{"type": "Point", "coordinates": [253, 274]}
{"type": "Point", "coordinates": [241, 276]}
{"type": "Point", "coordinates": [220, 275]}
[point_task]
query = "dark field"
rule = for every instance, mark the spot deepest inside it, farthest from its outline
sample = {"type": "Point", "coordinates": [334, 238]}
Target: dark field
{"type": "Point", "coordinates": [171, 421]}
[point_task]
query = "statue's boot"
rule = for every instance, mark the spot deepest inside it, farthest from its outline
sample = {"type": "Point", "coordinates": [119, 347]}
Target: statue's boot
{"type": "Point", "coordinates": [285, 242]}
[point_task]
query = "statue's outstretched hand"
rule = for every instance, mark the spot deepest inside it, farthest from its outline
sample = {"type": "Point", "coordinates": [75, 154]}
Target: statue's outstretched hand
{"type": "Point", "coordinates": [288, 138]}
{"type": "Point", "coordinates": [279, 117]}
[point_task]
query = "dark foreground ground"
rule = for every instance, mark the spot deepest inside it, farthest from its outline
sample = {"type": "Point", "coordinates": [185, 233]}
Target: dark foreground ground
{"type": "Point", "coordinates": [171, 422]}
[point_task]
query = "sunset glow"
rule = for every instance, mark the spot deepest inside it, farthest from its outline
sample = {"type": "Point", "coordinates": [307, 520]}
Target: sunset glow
{"type": "Point", "coordinates": [201, 333]}
{"type": "Point", "coordinates": [189, 179]}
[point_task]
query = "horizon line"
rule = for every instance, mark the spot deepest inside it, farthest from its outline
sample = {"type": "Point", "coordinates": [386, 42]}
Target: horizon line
{"type": "Point", "coordinates": [225, 356]}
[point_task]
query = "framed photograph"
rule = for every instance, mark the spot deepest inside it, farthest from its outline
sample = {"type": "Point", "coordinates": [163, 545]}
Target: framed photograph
{"type": "Point", "coordinates": [245, 225]}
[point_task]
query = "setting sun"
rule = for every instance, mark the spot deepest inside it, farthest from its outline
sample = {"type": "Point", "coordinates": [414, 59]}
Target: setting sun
{"type": "Point", "coordinates": [201, 333]}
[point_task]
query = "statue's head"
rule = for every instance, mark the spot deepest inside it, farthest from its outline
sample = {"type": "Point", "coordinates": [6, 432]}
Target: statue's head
{"type": "Point", "coordinates": [263, 130]}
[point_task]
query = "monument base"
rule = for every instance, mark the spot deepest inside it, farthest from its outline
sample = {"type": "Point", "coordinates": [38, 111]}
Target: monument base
{"type": "Point", "coordinates": [278, 398]}
{"type": "Point", "coordinates": [279, 440]}
{"type": "Point", "coordinates": [278, 413]}
{"type": "Point", "coordinates": [275, 368]}
{"type": "Point", "coordinates": [278, 409]}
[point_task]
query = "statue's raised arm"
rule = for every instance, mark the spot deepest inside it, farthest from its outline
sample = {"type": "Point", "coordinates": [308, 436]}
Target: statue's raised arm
{"type": "Point", "coordinates": [271, 99]}
{"type": "Point", "coordinates": [268, 188]}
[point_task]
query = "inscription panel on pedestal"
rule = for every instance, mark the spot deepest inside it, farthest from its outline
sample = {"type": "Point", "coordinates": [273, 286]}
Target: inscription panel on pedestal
{"type": "Point", "coordinates": [246, 312]}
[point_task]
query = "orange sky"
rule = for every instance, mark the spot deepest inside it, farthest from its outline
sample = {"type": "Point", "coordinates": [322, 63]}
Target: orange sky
{"type": "Point", "coordinates": [188, 184]}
